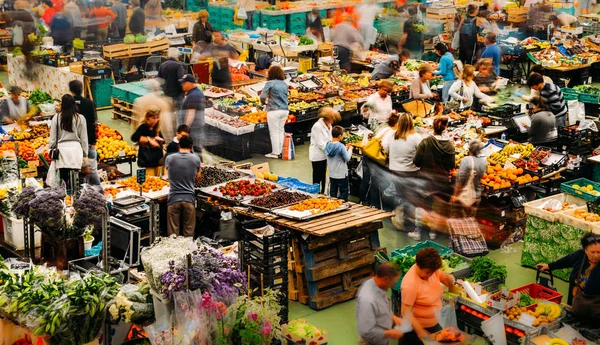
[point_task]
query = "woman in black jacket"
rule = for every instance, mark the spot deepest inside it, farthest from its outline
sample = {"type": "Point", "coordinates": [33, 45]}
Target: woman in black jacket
{"type": "Point", "coordinates": [584, 282]}
{"type": "Point", "coordinates": [202, 30]}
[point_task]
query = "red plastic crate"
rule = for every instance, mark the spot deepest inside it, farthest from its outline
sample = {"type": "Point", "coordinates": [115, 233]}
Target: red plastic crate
{"type": "Point", "coordinates": [539, 292]}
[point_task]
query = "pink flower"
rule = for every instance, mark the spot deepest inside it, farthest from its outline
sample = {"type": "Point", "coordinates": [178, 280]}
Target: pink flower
{"type": "Point", "coordinates": [222, 308]}
{"type": "Point", "coordinates": [253, 317]}
{"type": "Point", "coordinates": [266, 330]}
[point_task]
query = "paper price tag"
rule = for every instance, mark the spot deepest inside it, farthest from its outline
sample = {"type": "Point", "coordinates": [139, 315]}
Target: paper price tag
{"type": "Point", "coordinates": [121, 153]}
{"type": "Point", "coordinates": [505, 292]}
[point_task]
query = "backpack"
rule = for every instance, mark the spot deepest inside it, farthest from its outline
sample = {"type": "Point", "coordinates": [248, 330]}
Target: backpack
{"type": "Point", "coordinates": [457, 68]}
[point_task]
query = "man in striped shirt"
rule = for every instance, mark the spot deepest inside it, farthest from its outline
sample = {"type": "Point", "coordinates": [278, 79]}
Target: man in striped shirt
{"type": "Point", "coordinates": [553, 97]}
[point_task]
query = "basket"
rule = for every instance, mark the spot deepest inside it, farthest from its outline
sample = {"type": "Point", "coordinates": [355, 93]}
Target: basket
{"type": "Point", "coordinates": [532, 207]}
{"type": "Point", "coordinates": [567, 187]}
{"type": "Point", "coordinates": [539, 292]}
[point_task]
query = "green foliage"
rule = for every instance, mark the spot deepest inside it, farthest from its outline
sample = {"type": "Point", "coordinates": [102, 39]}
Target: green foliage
{"type": "Point", "coordinates": [484, 269]}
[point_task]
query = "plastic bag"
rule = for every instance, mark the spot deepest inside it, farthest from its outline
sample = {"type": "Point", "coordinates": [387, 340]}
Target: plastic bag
{"type": "Point", "coordinates": [588, 124]}
{"type": "Point", "coordinates": [289, 152]}
{"type": "Point", "coordinates": [241, 13]}
{"type": "Point", "coordinates": [576, 111]}
{"type": "Point", "coordinates": [18, 35]}
{"type": "Point", "coordinates": [53, 177]}
{"type": "Point", "coordinates": [447, 317]}
{"type": "Point", "coordinates": [552, 205]}
{"type": "Point", "coordinates": [456, 41]}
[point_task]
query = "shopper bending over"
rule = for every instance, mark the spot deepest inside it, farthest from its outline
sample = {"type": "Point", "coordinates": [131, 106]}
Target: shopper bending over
{"type": "Point", "coordinates": [553, 97]}
{"type": "Point", "coordinates": [344, 36]}
{"type": "Point", "coordinates": [445, 68]}
{"type": "Point", "coordinates": [465, 90]}
{"type": "Point", "coordinates": [275, 95]}
{"type": "Point", "coordinates": [543, 124]}
{"type": "Point", "coordinates": [486, 77]}
{"type": "Point", "coordinates": [150, 142]}
{"type": "Point", "coordinates": [422, 293]}
{"type": "Point", "coordinates": [391, 67]}
{"type": "Point", "coordinates": [534, 93]}
{"type": "Point", "coordinates": [473, 166]}
{"type": "Point", "coordinates": [338, 156]}
{"type": "Point", "coordinates": [14, 107]}
{"type": "Point", "coordinates": [184, 171]}
{"type": "Point", "coordinates": [320, 135]}
{"type": "Point", "coordinates": [420, 89]}
{"type": "Point", "coordinates": [68, 132]}
{"type": "Point", "coordinates": [584, 282]}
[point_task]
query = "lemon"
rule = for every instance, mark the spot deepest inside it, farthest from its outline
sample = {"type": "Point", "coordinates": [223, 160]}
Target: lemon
{"type": "Point", "coordinates": [259, 175]}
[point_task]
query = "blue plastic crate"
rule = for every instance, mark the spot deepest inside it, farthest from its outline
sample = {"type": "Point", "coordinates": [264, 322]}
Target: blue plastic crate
{"type": "Point", "coordinates": [292, 182]}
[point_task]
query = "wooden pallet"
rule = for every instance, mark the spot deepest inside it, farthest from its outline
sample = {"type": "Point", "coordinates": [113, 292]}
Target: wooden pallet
{"type": "Point", "coordinates": [122, 110]}
{"type": "Point", "coordinates": [441, 17]}
{"type": "Point", "coordinates": [297, 283]}
{"type": "Point", "coordinates": [517, 18]}
{"type": "Point", "coordinates": [336, 265]}
{"type": "Point", "coordinates": [116, 51]}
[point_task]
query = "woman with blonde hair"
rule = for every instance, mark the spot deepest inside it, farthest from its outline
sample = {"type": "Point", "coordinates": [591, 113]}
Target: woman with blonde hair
{"type": "Point", "coordinates": [150, 142]}
{"type": "Point", "coordinates": [202, 31]}
{"type": "Point", "coordinates": [420, 89]}
{"type": "Point", "coordinates": [465, 90]}
{"type": "Point", "coordinates": [320, 135]}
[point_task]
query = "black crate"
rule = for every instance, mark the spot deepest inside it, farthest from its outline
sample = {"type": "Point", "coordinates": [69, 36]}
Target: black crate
{"type": "Point", "coordinates": [272, 270]}
{"type": "Point", "coordinates": [279, 282]}
{"type": "Point", "coordinates": [265, 259]}
{"type": "Point", "coordinates": [504, 111]}
{"type": "Point", "coordinates": [573, 134]}
{"type": "Point", "coordinates": [275, 243]}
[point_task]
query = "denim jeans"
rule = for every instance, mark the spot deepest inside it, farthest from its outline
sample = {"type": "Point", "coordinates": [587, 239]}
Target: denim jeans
{"type": "Point", "coordinates": [249, 20]}
{"type": "Point", "coordinates": [93, 178]}
{"type": "Point", "coordinates": [446, 90]}
{"type": "Point", "coordinates": [339, 185]}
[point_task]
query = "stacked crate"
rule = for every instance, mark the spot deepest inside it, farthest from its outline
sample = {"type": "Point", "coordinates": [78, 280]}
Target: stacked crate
{"type": "Point", "coordinates": [265, 260]}
{"type": "Point", "coordinates": [517, 15]}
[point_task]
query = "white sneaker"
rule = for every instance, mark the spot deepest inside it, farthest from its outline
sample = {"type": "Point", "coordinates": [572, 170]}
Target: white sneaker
{"type": "Point", "coordinates": [272, 155]}
{"type": "Point", "coordinates": [415, 235]}
{"type": "Point", "coordinates": [432, 235]}
{"type": "Point", "coordinates": [398, 219]}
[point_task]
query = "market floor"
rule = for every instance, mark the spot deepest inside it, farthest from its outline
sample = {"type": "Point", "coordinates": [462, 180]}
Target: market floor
{"type": "Point", "coordinates": [339, 319]}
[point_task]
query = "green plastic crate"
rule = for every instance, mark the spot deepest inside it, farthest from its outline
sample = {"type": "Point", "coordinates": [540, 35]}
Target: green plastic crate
{"type": "Point", "coordinates": [567, 187]}
{"type": "Point", "coordinates": [596, 172]}
{"type": "Point", "coordinates": [119, 92]}
{"type": "Point", "coordinates": [570, 94]}
{"type": "Point", "coordinates": [414, 249]}
{"type": "Point", "coordinates": [588, 98]}
{"type": "Point", "coordinates": [101, 91]}
{"type": "Point", "coordinates": [256, 22]}
{"type": "Point", "coordinates": [277, 22]}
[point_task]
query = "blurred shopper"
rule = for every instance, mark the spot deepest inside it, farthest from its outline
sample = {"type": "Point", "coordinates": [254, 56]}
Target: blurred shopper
{"type": "Point", "coordinates": [320, 135]}
{"type": "Point", "coordinates": [492, 51]}
{"type": "Point", "coordinates": [15, 107]}
{"type": "Point", "coordinates": [344, 36]}
{"type": "Point", "coordinates": [486, 77]}
{"type": "Point", "coordinates": [250, 7]}
{"type": "Point", "coordinates": [87, 108]}
{"type": "Point", "coordinates": [471, 168]}
{"type": "Point", "coordinates": [275, 95]}
{"type": "Point", "coordinates": [49, 12]}
{"type": "Point", "coordinates": [553, 97]}
{"type": "Point", "coordinates": [153, 98]}
{"type": "Point", "coordinates": [375, 320]}
{"type": "Point", "coordinates": [192, 111]}
{"type": "Point", "coordinates": [401, 147]}
{"type": "Point", "coordinates": [314, 25]}
{"type": "Point", "coordinates": [338, 156]}
{"type": "Point", "coordinates": [103, 17]}
{"type": "Point", "coordinates": [420, 89]}
{"type": "Point", "coordinates": [120, 10]}
{"type": "Point", "coordinates": [445, 69]}
{"type": "Point", "coordinates": [221, 52]}
{"type": "Point", "coordinates": [58, 5]}
{"type": "Point", "coordinates": [422, 294]}
{"type": "Point", "coordinates": [184, 171]}
{"type": "Point", "coordinates": [150, 142]}
{"type": "Point", "coordinates": [61, 31]}
{"type": "Point", "coordinates": [391, 67]}
{"type": "Point", "coordinates": [170, 72]}
{"type": "Point", "coordinates": [465, 90]}
{"type": "Point", "coordinates": [68, 133]}
{"type": "Point", "coordinates": [373, 181]}
{"type": "Point", "coordinates": [21, 20]}
{"type": "Point", "coordinates": [468, 35]}
{"type": "Point", "coordinates": [202, 30]}
{"type": "Point", "coordinates": [535, 93]}
{"type": "Point", "coordinates": [542, 130]}
{"type": "Point", "coordinates": [379, 105]}
{"type": "Point", "coordinates": [367, 13]}
{"type": "Point", "coordinates": [153, 11]}
{"type": "Point", "coordinates": [435, 158]}
{"type": "Point", "coordinates": [137, 22]}
{"type": "Point", "coordinates": [412, 34]}
{"type": "Point", "coordinates": [74, 13]}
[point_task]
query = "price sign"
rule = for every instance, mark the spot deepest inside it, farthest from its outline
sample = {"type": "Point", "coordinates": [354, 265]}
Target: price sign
{"type": "Point", "coordinates": [141, 175]}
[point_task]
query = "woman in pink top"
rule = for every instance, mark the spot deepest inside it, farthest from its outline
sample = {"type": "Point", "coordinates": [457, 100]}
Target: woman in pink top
{"type": "Point", "coordinates": [422, 293]}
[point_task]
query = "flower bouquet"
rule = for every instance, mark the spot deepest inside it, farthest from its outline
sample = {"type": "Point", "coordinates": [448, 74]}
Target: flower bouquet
{"type": "Point", "coordinates": [133, 304]}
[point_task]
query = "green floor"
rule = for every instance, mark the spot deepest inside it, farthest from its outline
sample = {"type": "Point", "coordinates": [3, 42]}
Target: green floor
{"type": "Point", "coordinates": [339, 319]}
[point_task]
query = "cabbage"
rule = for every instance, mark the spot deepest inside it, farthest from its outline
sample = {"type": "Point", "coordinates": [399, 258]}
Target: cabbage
{"type": "Point", "coordinates": [139, 38]}
{"type": "Point", "coordinates": [129, 39]}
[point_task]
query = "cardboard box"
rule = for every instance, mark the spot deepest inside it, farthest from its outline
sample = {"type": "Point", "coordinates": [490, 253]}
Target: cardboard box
{"type": "Point", "coordinates": [513, 300]}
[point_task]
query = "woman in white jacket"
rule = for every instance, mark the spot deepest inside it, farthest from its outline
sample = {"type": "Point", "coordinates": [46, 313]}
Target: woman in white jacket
{"type": "Point", "coordinates": [465, 90]}
{"type": "Point", "coordinates": [320, 135]}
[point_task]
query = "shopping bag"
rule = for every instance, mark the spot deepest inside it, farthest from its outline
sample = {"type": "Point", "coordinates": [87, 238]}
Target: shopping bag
{"type": "Point", "coordinates": [456, 41]}
{"type": "Point", "coordinates": [229, 227]}
{"type": "Point", "coordinates": [374, 150]}
{"type": "Point", "coordinates": [241, 14]}
{"type": "Point", "coordinates": [466, 237]}
{"type": "Point", "coordinates": [53, 177]}
{"type": "Point", "coordinates": [576, 111]}
{"type": "Point", "coordinates": [289, 152]}
{"type": "Point", "coordinates": [18, 35]}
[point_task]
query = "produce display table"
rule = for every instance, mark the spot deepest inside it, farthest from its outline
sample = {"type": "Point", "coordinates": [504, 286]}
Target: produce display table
{"type": "Point", "coordinates": [54, 80]}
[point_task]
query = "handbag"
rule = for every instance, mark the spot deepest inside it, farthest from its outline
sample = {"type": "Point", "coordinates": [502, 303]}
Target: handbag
{"type": "Point", "coordinates": [54, 152]}
{"type": "Point", "coordinates": [586, 307]}
{"type": "Point", "coordinates": [149, 156]}
{"type": "Point", "coordinates": [374, 150]}
{"type": "Point", "coordinates": [468, 196]}
{"type": "Point", "coordinates": [466, 237]}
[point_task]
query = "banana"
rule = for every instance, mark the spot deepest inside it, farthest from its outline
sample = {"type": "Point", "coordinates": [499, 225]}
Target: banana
{"type": "Point", "coordinates": [557, 341]}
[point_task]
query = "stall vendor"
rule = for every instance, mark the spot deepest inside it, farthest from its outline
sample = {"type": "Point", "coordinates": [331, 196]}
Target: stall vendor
{"type": "Point", "coordinates": [584, 282]}
{"type": "Point", "coordinates": [14, 107]}
{"type": "Point", "coordinates": [391, 67]}
{"type": "Point", "coordinates": [553, 96]}
{"type": "Point", "coordinates": [465, 90]}
{"type": "Point", "coordinates": [486, 77]}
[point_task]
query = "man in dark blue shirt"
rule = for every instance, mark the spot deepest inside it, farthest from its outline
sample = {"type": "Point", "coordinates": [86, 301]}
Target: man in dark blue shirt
{"type": "Point", "coordinates": [492, 51]}
{"type": "Point", "coordinates": [192, 110]}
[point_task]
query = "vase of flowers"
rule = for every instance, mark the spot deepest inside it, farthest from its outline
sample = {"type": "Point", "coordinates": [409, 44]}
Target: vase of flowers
{"type": "Point", "coordinates": [88, 239]}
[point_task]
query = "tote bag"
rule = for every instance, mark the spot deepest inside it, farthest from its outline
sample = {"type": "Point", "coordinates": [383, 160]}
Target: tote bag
{"type": "Point", "coordinates": [241, 13]}
{"type": "Point", "coordinates": [468, 196]}
{"type": "Point", "coordinates": [374, 150]}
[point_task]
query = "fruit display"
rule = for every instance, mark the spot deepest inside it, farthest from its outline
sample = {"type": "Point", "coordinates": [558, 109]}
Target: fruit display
{"type": "Point", "coordinates": [111, 191]}
{"type": "Point", "coordinates": [245, 188]}
{"type": "Point", "coordinates": [296, 96]}
{"type": "Point", "coordinates": [358, 94]}
{"type": "Point", "coordinates": [228, 120]}
{"type": "Point", "coordinates": [40, 131]}
{"type": "Point", "coordinates": [27, 148]}
{"type": "Point", "coordinates": [302, 105]}
{"type": "Point", "coordinates": [152, 184]}
{"type": "Point", "coordinates": [268, 176]}
{"type": "Point", "coordinates": [316, 205]}
{"type": "Point", "coordinates": [279, 199]}
{"type": "Point", "coordinates": [551, 57]}
{"type": "Point", "coordinates": [257, 117]}
{"type": "Point", "coordinates": [545, 313]}
{"type": "Point", "coordinates": [20, 135]}
{"type": "Point", "coordinates": [340, 79]}
{"type": "Point", "coordinates": [449, 335]}
{"type": "Point", "coordinates": [586, 189]}
{"type": "Point", "coordinates": [111, 148]}
{"type": "Point", "coordinates": [335, 102]}
{"type": "Point", "coordinates": [211, 176]}
{"type": "Point", "coordinates": [586, 216]}
{"type": "Point", "coordinates": [541, 155]}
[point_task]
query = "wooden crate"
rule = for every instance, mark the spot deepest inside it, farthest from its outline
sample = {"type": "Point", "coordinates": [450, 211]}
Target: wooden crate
{"type": "Point", "coordinates": [441, 17]}
{"type": "Point", "coordinates": [122, 110]}
{"type": "Point", "coordinates": [115, 51]}
{"type": "Point", "coordinates": [517, 18]}
{"type": "Point", "coordinates": [298, 291]}
{"type": "Point", "coordinates": [336, 265]}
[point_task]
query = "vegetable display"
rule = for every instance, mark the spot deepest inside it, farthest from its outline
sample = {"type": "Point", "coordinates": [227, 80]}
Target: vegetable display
{"type": "Point", "coordinates": [38, 96]}
{"type": "Point", "coordinates": [351, 138]}
{"type": "Point", "coordinates": [587, 89]}
{"type": "Point", "coordinates": [305, 41]}
{"type": "Point", "coordinates": [526, 300]}
{"type": "Point", "coordinates": [484, 269]}
{"type": "Point", "coordinates": [211, 176]}
{"type": "Point", "coordinates": [412, 65]}
{"type": "Point", "coordinates": [403, 262]}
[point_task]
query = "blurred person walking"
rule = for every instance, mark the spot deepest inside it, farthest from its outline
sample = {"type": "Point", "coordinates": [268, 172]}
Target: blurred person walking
{"type": "Point", "coordinates": [471, 169]}
{"type": "Point", "coordinates": [344, 36]}
{"type": "Point", "coordinates": [467, 29]}
{"type": "Point", "coordinates": [15, 107]}
{"type": "Point", "coordinates": [412, 35]}
{"type": "Point", "coordinates": [49, 11]}
{"type": "Point", "coordinates": [192, 111]}
{"type": "Point", "coordinates": [168, 122]}
{"type": "Point", "coordinates": [21, 20]}
{"type": "Point", "coordinates": [68, 134]}
{"type": "Point", "coordinates": [87, 108]}
{"type": "Point", "coordinates": [102, 17]}
{"type": "Point", "coordinates": [202, 30]}
{"type": "Point", "coordinates": [170, 72]}
{"type": "Point", "coordinates": [320, 135]}
{"type": "Point", "coordinates": [221, 52]}
{"type": "Point", "coordinates": [137, 22]}
{"type": "Point", "coordinates": [249, 6]}
{"type": "Point", "coordinates": [368, 11]}
{"type": "Point", "coordinates": [74, 13]}
{"type": "Point", "coordinates": [120, 11]}
{"type": "Point", "coordinates": [150, 142]}
{"type": "Point", "coordinates": [314, 25]}
{"type": "Point", "coordinates": [275, 96]}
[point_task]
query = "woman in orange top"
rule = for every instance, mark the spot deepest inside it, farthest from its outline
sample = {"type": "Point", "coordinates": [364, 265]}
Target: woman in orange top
{"type": "Point", "coordinates": [422, 293]}
{"type": "Point", "coordinates": [102, 17]}
{"type": "Point", "coordinates": [49, 11]}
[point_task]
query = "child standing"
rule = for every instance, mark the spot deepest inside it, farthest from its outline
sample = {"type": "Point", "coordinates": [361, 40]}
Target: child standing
{"type": "Point", "coordinates": [182, 131]}
{"type": "Point", "coordinates": [338, 156]}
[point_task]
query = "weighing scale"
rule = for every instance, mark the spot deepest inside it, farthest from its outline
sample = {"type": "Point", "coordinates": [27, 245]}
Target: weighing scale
{"type": "Point", "coordinates": [129, 205]}
{"type": "Point", "coordinates": [176, 40]}
{"type": "Point", "coordinates": [290, 72]}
